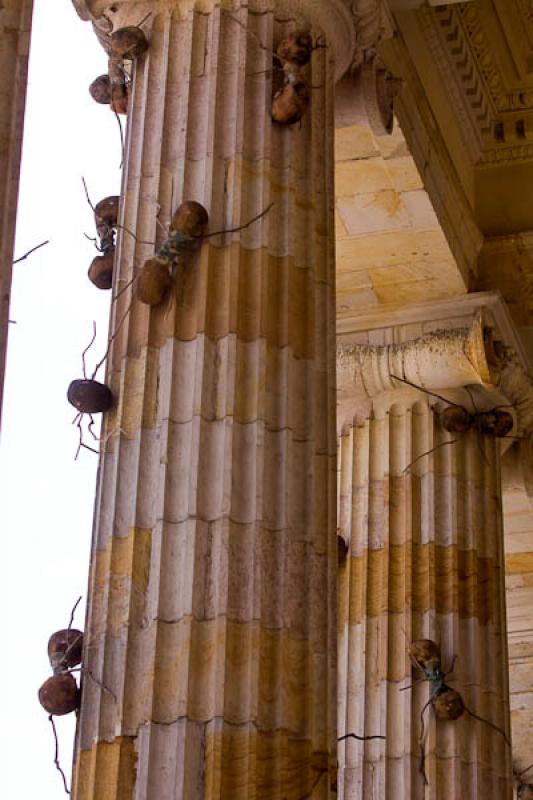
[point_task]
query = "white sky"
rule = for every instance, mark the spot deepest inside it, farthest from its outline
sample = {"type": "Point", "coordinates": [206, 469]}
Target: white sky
{"type": "Point", "coordinates": [47, 497]}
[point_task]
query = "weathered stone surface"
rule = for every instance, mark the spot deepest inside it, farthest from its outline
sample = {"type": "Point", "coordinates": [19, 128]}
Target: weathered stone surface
{"type": "Point", "coordinates": [212, 611]}
{"type": "Point", "coordinates": [425, 560]}
{"type": "Point", "coordinates": [15, 27]}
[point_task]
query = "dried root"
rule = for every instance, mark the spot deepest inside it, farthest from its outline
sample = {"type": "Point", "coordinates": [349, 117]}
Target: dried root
{"type": "Point", "coordinates": [33, 249]}
{"type": "Point", "coordinates": [56, 756]}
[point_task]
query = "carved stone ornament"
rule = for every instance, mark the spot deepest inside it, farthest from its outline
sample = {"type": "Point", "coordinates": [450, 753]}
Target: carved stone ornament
{"type": "Point", "coordinates": [336, 18]}
{"type": "Point", "coordinates": [441, 360]}
{"type": "Point", "coordinates": [380, 88]}
{"type": "Point", "coordinates": [448, 360]}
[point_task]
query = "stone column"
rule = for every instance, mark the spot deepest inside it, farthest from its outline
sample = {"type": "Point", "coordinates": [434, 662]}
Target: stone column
{"type": "Point", "coordinates": [15, 27]}
{"type": "Point", "coordinates": [211, 618]}
{"type": "Point", "coordinates": [424, 559]}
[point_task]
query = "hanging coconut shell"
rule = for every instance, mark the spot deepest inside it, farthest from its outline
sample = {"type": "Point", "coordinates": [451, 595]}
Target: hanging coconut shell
{"type": "Point", "coordinates": [101, 269]}
{"type": "Point", "coordinates": [448, 704]}
{"type": "Point", "coordinates": [296, 48]}
{"type": "Point", "coordinates": [456, 419]}
{"type": "Point", "coordinates": [496, 423]}
{"type": "Point", "coordinates": [525, 791]}
{"type": "Point", "coordinates": [190, 218]}
{"type": "Point", "coordinates": [89, 397]}
{"type": "Point", "coordinates": [106, 211]}
{"type": "Point", "coordinates": [154, 281]}
{"type": "Point", "coordinates": [290, 103]}
{"type": "Point", "coordinates": [128, 43]}
{"type": "Point", "coordinates": [100, 89]}
{"type": "Point", "coordinates": [119, 98]}
{"type": "Point", "coordinates": [59, 694]}
{"type": "Point", "coordinates": [425, 652]}
{"type": "Point", "coordinates": [64, 649]}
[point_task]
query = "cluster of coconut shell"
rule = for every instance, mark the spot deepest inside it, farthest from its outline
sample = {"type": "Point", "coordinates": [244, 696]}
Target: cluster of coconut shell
{"type": "Point", "coordinates": [60, 694]}
{"type": "Point", "coordinates": [497, 422]}
{"type": "Point", "coordinates": [291, 92]}
{"type": "Point", "coordinates": [106, 220]}
{"type": "Point", "coordinates": [126, 44]}
{"type": "Point", "coordinates": [446, 702]}
{"type": "Point", "coordinates": [187, 229]}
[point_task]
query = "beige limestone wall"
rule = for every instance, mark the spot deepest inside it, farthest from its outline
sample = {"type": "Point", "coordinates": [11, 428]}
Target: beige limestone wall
{"type": "Point", "coordinates": [15, 27]}
{"type": "Point", "coordinates": [390, 244]}
{"type": "Point", "coordinates": [518, 521]}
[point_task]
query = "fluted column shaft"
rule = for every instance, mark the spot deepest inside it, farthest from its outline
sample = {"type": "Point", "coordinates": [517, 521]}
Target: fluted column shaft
{"type": "Point", "coordinates": [15, 27]}
{"type": "Point", "coordinates": [425, 560]}
{"type": "Point", "coordinates": [211, 618]}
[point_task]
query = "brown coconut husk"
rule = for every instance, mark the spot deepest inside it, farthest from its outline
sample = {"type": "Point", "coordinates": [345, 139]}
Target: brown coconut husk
{"type": "Point", "coordinates": [65, 648]}
{"type": "Point", "coordinates": [154, 281]}
{"type": "Point", "coordinates": [100, 89]}
{"type": "Point", "coordinates": [106, 211]}
{"type": "Point", "coordinates": [496, 423]}
{"type": "Point", "coordinates": [456, 419]}
{"type": "Point", "coordinates": [190, 218]}
{"type": "Point", "coordinates": [448, 704]}
{"type": "Point", "coordinates": [290, 103]}
{"type": "Point", "coordinates": [425, 652]}
{"type": "Point", "coordinates": [296, 48]}
{"type": "Point", "coordinates": [89, 397]}
{"type": "Point", "coordinates": [129, 43]}
{"type": "Point", "coordinates": [119, 98]}
{"type": "Point", "coordinates": [59, 695]}
{"type": "Point", "coordinates": [101, 269]}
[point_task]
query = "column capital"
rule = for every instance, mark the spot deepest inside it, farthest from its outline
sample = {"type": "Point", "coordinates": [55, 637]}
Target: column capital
{"type": "Point", "coordinates": [442, 346]}
{"type": "Point", "coordinates": [442, 359]}
{"type": "Point", "coordinates": [354, 27]}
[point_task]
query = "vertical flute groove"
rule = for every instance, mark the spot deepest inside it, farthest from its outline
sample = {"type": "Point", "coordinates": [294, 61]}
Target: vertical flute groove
{"type": "Point", "coordinates": [426, 563]}
{"type": "Point", "coordinates": [211, 610]}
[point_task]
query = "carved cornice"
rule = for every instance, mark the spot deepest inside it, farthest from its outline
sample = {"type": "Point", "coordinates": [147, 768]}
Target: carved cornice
{"type": "Point", "coordinates": [495, 112]}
